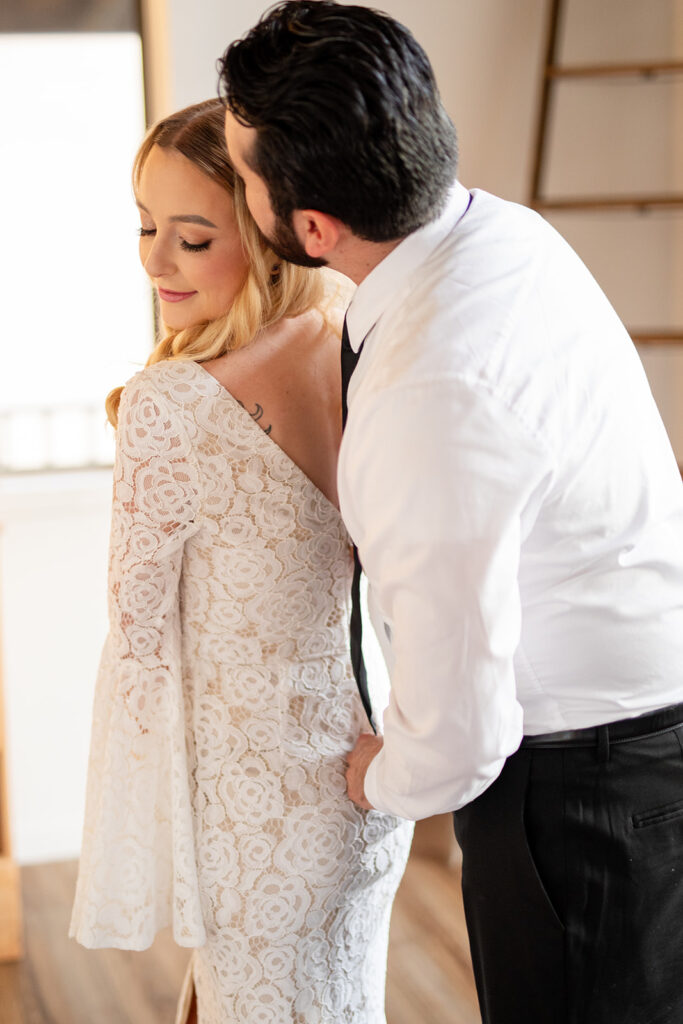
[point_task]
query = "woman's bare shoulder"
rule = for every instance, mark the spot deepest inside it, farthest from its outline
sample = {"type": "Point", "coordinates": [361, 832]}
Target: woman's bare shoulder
{"type": "Point", "coordinates": [315, 330]}
{"type": "Point", "coordinates": [315, 352]}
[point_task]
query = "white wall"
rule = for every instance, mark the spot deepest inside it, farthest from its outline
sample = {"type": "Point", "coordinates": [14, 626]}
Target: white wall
{"type": "Point", "coordinates": [53, 554]}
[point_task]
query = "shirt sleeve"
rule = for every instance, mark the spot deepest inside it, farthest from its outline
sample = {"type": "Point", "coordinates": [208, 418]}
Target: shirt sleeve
{"type": "Point", "coordinates": [441, 500]}
{"type": "Point", "coordinates": [137, 869]}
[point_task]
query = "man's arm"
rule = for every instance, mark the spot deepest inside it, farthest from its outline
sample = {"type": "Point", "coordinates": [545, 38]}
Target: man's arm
{"type": "Point", "coordinates": [439, 505]}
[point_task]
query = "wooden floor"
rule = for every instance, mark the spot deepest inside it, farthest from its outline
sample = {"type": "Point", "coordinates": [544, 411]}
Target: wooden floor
{"type": "Point", "coordinates": [59, 982]}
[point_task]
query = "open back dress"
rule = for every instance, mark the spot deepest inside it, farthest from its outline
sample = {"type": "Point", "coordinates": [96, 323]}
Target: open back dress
{"type": "Point", "coordinates": [225, 707]}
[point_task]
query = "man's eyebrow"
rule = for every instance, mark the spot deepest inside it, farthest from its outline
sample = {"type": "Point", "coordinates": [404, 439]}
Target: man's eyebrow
{"type": "Point", "coordinates": [184, 218]}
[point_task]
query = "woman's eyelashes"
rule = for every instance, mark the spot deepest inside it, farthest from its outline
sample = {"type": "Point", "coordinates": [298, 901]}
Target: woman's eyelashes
{"type": "Point", "coordinates": [188, 247]}
{"type": "Point", "coordinates": [184, 245]}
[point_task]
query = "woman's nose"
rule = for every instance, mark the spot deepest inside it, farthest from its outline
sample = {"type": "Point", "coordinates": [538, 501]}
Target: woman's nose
{"type": "Point", "coordinates": [157, 259]}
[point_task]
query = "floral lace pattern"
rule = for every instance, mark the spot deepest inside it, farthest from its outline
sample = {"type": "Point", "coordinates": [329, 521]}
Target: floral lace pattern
{"type": "Point", "coordinates": [224, 709]}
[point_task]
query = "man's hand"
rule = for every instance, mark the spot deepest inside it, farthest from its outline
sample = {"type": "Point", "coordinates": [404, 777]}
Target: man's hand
{"type": "Point", "coordinates": [367, 747]}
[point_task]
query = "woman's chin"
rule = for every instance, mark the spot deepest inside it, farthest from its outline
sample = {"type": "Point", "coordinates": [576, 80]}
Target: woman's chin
{"type": "Point", "coordinates": [175, 322]}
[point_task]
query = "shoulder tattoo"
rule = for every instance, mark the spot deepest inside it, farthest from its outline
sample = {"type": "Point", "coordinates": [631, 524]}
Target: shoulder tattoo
{"type": "Point", "coordinates": [257, 416]}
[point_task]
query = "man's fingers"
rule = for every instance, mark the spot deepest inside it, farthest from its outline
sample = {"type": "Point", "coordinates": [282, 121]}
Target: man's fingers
{"type": "Point", "coordinates": [367, 747]}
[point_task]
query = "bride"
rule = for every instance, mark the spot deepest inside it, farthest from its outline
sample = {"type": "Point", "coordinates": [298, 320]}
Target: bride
{"type": "Point", "coordinates": [225, 702]}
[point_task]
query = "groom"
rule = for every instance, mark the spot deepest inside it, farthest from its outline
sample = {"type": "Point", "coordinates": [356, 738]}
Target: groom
{"type": "Point", "coordinates": [517, 509]}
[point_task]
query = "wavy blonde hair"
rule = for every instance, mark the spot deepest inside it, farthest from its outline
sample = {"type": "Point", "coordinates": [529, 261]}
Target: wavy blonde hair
{"type": "Point", "coordinates": [273, 288]}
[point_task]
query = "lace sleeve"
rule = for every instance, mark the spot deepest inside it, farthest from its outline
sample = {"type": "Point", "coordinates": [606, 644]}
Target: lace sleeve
{"type": "Point", "coordinates": [155, 505]}
{"type": "Point", "coordinates": [137, 870]}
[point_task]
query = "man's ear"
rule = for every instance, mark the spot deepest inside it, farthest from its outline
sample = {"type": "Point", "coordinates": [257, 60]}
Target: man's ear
{"type": "Point", "coordinates": [318, 232]}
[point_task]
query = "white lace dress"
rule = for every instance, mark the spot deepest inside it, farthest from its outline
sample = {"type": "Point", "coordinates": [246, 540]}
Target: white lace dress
{"type": "Point", "coordinates": [225, 706]}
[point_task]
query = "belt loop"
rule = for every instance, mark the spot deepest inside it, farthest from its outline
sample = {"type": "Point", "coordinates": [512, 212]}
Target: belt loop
{"type": "Point", "coordinates": [603, 744]}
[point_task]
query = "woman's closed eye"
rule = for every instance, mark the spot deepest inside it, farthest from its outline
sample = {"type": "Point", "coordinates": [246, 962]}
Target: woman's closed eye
{"type": "Point", "coordinates": [184, 244]}
{"type": "Point", "coordinates": [200, 247]}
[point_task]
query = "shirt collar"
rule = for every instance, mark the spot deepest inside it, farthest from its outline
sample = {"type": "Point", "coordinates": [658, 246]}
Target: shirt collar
{"type": "Point", "coordinates": [380, 287]}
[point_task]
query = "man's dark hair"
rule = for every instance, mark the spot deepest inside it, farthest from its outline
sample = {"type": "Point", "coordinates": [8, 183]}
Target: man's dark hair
{"type": "Point", "coordinates": [348, 116]}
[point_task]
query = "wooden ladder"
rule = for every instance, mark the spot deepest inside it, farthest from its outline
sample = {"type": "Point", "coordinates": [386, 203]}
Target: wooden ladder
{"type": "Point", "coordinates": [554, 73]}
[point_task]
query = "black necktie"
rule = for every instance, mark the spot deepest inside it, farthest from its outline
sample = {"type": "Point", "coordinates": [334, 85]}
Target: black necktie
{"type": "Point", "coordinates": [349, 358]}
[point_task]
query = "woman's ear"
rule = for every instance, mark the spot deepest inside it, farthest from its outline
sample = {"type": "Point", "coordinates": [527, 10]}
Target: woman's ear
{"type": "Point", "coordinates": [318, 232]}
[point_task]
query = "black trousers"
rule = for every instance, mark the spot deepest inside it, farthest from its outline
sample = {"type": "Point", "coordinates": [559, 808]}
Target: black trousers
{"type": "Point", "coordinates": [573, 880]}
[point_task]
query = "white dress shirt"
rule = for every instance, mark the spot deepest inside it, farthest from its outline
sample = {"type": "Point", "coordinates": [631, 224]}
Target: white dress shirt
{"type": "Point", "coordinates": [515, 501]}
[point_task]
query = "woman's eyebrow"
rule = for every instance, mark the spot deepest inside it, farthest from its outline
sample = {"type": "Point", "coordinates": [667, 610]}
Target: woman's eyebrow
{"type": "Point", "coordinates": [184, 218]}
{"type": "Point", "coordinates": [192, 218]}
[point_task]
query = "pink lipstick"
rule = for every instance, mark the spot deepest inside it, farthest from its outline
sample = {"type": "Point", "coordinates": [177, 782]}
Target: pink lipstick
{"type": "Point", "coordinates": [174, 296]}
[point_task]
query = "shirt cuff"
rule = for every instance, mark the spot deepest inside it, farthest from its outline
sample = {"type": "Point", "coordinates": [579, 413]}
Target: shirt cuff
{"type": "Point", "coordinates": [371, 788]}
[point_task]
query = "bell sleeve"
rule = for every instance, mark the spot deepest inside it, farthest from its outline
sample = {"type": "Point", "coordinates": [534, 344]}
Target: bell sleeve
{"type": "Point", "coordinates": [137, 872]}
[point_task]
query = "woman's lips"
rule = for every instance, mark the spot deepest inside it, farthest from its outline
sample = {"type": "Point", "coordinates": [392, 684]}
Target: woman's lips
{"type": "Point", "coordinates": [174, 296]}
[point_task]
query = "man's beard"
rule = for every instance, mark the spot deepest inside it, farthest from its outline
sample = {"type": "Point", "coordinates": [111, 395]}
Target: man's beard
{"type": "Point", "coordinates": [287, 246]}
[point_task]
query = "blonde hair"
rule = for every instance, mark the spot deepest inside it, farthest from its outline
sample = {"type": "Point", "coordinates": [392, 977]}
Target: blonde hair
{"type": "Point", "coordinates": [273, 288]}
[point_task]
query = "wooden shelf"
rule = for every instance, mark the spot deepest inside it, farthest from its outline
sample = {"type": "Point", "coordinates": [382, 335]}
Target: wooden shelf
{"type": "Point", "coordinates": [644, 69]}
{"type": "Point", "coordinates": [653, 337]}
{"type": "Point", "coordinates": [632, 202]}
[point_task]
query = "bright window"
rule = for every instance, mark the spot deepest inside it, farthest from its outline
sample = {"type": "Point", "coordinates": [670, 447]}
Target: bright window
{"type": "Point", "coordinates": [76, 312]}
